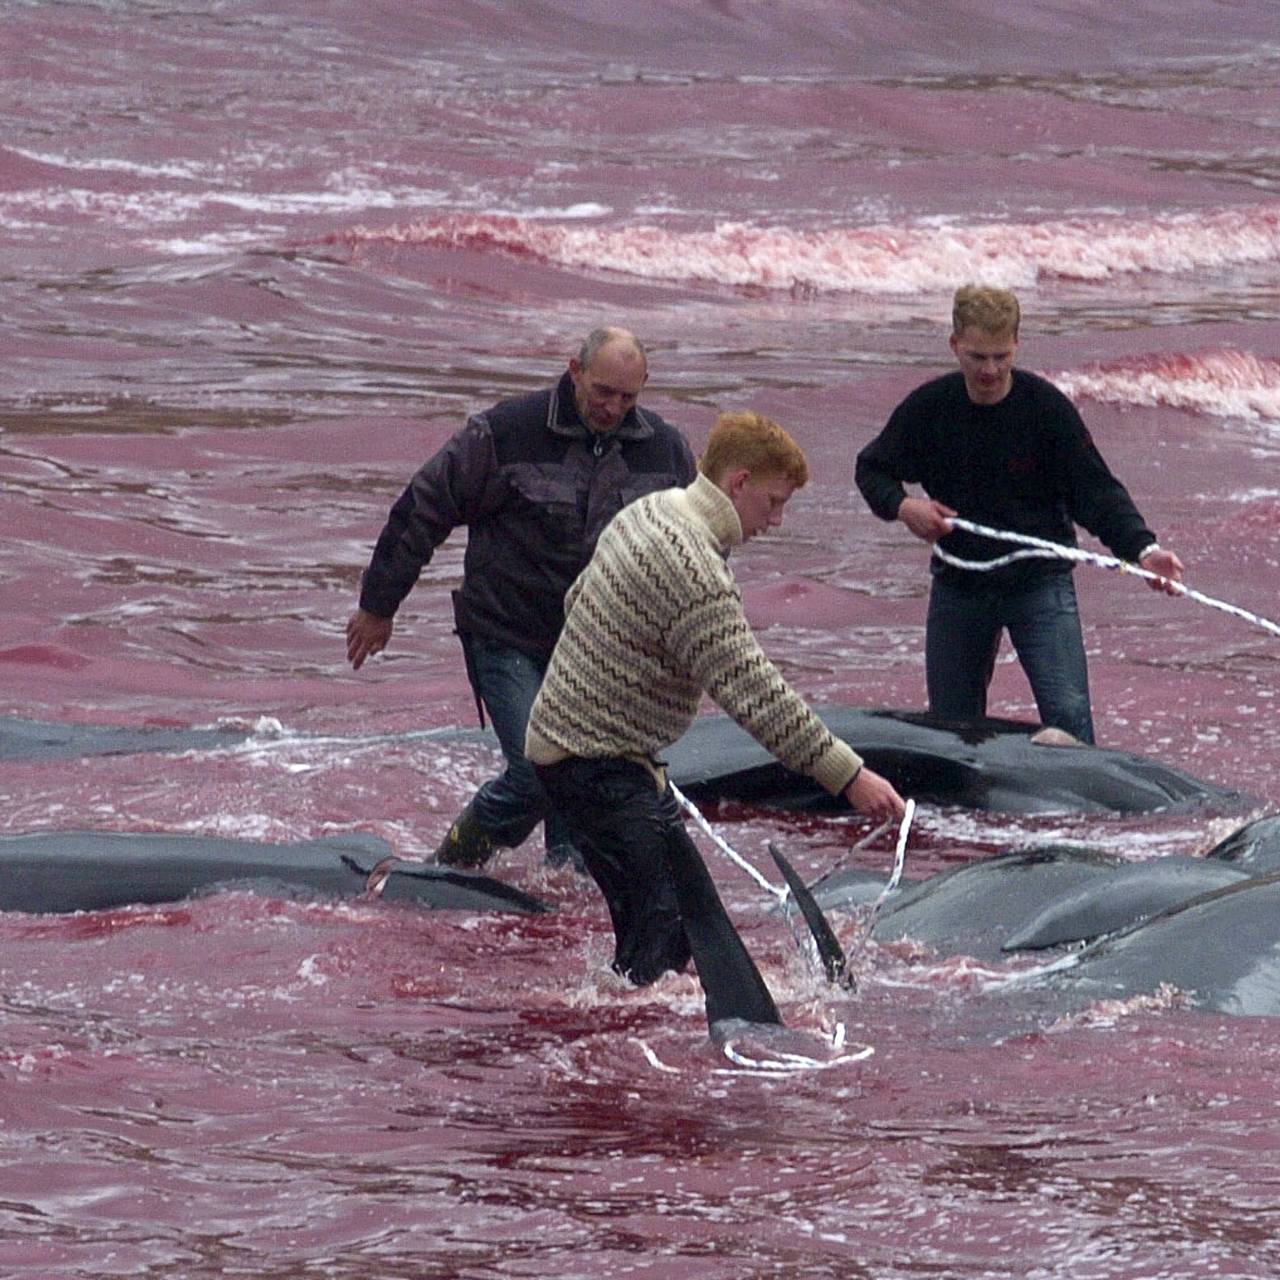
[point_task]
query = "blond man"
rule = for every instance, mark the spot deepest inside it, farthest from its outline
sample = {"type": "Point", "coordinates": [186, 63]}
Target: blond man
{"type": "Point", "coordinates": [654, 621]}
{"type": "Point", "coordinates": [1002, 447]}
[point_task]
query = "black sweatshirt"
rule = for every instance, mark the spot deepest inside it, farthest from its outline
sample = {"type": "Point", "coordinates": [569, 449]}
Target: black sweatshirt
{"type": "Point", "coordinates": [1026, 464]}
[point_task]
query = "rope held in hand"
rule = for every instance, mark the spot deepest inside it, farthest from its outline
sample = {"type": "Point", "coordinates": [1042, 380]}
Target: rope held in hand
{"type": "Point", "coordinates": [1042, 548]}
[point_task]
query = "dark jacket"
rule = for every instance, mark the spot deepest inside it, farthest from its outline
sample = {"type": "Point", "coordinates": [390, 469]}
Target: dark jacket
{"type": "Point", "coordinates": [1026, 465]}
{"type": "Point", "coordinates": [535, 487]}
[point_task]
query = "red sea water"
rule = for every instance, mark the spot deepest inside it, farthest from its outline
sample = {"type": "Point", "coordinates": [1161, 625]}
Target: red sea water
{"type": "Point", "coordinates": [258, 260]}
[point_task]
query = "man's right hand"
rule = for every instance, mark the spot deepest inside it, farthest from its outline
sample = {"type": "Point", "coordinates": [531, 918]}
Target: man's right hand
{"type": "Point", "coordinates": [927, 519]}
{"type": "Point", "coordinates": [367, 634]}
{"type": "Point", "coordinates": [875, 796]}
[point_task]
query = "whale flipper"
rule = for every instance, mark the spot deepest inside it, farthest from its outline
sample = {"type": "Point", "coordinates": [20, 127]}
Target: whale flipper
{"type": "Point", "coordinates": [829, 949]}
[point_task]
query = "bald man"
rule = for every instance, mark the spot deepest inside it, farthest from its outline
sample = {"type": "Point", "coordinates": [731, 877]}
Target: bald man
{"type": "Point", "coordinates": [534, 479]}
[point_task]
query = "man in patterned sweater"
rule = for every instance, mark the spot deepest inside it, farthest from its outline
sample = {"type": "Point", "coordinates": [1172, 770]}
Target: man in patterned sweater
{"type": "Point", "coordinates": [654, 621]}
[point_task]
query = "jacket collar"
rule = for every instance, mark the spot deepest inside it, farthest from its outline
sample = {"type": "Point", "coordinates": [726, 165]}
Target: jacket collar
{"type": "Point", "coordinates": [563, 417]}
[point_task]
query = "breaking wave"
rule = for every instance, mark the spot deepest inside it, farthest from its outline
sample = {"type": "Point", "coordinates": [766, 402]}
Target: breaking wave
{"type": "Point", "coordinates": [1223, 384]}
{"type": "Point", "coordinates": [876, 260]}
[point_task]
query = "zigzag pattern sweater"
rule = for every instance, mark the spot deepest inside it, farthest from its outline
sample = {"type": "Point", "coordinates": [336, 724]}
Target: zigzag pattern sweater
{"type": "Point", "coordinates": [653, 621]}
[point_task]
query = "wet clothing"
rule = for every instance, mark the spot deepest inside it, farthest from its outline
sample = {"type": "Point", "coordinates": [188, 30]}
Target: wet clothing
{"type": "Point", "coordinates": [508, 807]}
{"type": "Point", "coordinates": [1027, 465]}
{"type": "Point", "coordinates": [661, 898]}
{"type": "Point", "coordinates": [654, 620]}
{"type": "Point", "coordinates": [1043, 622]}
{"type": "Point", "coordinates": [534, 486]}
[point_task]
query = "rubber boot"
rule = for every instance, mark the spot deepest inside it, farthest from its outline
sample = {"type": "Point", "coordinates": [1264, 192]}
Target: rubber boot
{"type": "Point", "coordinates": [466, 843]}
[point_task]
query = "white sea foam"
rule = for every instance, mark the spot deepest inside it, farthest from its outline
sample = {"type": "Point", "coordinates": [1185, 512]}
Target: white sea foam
{"type": "Point", "coordinates": [872, 259]}
{"type": "Point", "coordinates": [104, 164]}
{"type": "Point", "coordinates": [1222, 384]}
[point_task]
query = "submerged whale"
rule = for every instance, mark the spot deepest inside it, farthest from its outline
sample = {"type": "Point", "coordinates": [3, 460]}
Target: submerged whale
{"type": "Point", "coordinates": [1204, 927]}
{"type": "Point", "coordinates": [1221, 949]}
{"type": "Point", "coordinates": [53, 740]}
{"type": "Point", "coordinates": [971, 908]}
{"type": "Point", "coordinates": [1109, 903]}
{"type": "Point", "coordinates": [63, 871]}
{"type": "Point", "coordinates": [1254, 848]}
{"type": "Point", "coordinates": [988, 763]}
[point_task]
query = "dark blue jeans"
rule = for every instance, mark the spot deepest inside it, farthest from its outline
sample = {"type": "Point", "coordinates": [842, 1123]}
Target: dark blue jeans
{"type": "Point", "coordinates": [509, 806]}
{"type": "Point", "coordinates": [963, 636]}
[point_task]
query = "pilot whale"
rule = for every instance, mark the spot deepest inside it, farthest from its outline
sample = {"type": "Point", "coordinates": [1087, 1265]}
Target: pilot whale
{"type": "Point", "coordinates": [54, 740]}
{"type": "Point", "coordinates": [1006, 766]}
{"type": "Point", "coordinates": [988, 763]}
{"type": "Point", "coordinates": [1203, 927]}
{"type": "Point", "coordinates": [1254, 848]}
{"type": "Point", "coordinates": [1221, 949]}
{"type": "Point", "coordinates": [63, 871]}
{"type": "Point", "coordinates": [1109, 903]}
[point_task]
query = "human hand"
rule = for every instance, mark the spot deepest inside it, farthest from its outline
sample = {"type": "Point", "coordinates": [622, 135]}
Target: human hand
{"type": "Point", "coordinates": [1167, 565]}
{"type": "Point", "coordinates": [875, 796]}
{"type": "Point", "coordinates": [927, 519]}
{"type": "Point", "coordinates": [367, 634]}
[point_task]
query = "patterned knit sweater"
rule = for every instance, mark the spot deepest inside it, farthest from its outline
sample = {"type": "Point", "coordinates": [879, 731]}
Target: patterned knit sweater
{"type": "Point", "coordinates": [653, 621]}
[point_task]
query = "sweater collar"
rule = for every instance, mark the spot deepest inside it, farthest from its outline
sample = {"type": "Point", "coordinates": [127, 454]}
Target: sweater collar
{"type": "Point", "coordinates": [710, 504]}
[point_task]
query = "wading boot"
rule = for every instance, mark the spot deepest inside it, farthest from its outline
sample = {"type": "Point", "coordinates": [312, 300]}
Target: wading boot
{"type": "Point", "coordinates": [466, 844]}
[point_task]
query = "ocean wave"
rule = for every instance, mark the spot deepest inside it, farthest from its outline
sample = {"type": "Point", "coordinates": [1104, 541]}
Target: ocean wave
{"type": "Point", "coordinates": [875, 260]}
{"type": "Point", "coordinates": [1222, 384]}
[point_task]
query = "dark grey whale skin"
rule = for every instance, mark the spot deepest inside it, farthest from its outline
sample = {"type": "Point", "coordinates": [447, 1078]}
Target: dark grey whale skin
{"type": "Point", "coordinates": [970, 909]}
{"type": "Point", "coordinates": [1218, 946]}
{"type": "Point", "coordinates": [988, 764]}
{"type": "Point", "coordinates": [51, 740]}
{"type": "Point", "coordinates": [1120, 899]}
{"type": "Point", "coordinates": [64, 871]}
{"type": "Point", "coordinates": [1221, 949]}
{"type": "Point", "coordinates": [1254, 847]}
{"type": "Point", "coordinates": [51, 872]}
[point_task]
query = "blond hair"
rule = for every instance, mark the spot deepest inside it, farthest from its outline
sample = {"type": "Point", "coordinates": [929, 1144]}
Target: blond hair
{"type": "Point", "coordinates": [991, 310]}
{"type": "Point", "coordinates": [750, 441]}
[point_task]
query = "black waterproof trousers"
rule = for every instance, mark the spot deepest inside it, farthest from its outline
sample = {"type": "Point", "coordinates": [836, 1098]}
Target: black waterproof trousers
{"type": "Point", "coordinates": [661, 898]}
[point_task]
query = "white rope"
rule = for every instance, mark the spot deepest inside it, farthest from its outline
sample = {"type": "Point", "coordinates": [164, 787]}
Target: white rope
{"type": "Point", "coordinates": [899, 861]}
{"type": "Point", "coordinates": [791, 1062]}
{"type": "Point", "coordinates": [1045, 549]}
{"type": "Point", "coordinates": [895, 878]}
{"type": "Point", "coordinates": [782, 1064]}
{"type": "Point", "coordinates": [693, 811]}
{"type": "Point", "coordinates": [866, 840]}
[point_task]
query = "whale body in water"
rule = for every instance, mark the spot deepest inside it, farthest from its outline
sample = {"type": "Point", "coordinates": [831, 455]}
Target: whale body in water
{"type": "Point", "coordinates": [63, 871]}
{"type": "Point", "coordinates": [1006, 766]}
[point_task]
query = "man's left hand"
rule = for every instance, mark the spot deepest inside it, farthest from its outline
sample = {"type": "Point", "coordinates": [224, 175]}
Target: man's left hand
{"type": "Point", "coordinates": [1167, 565]}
